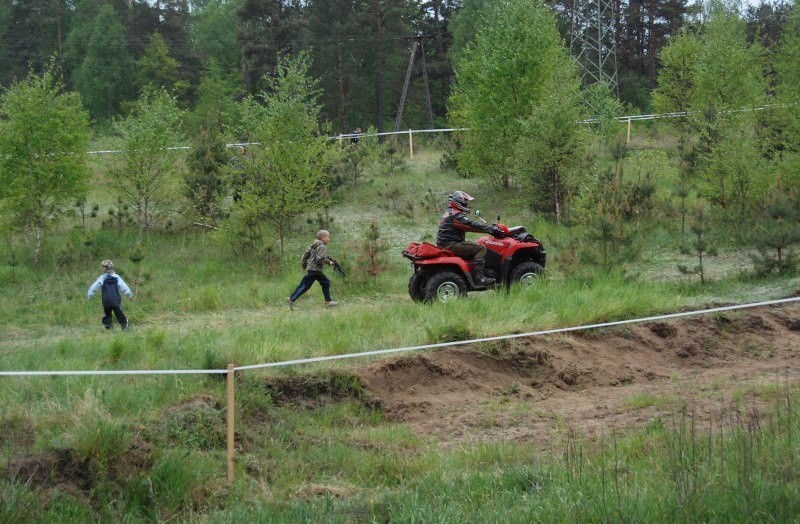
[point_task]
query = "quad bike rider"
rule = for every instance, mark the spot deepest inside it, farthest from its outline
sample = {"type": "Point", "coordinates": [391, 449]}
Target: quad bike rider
{"type": "Point", "coordinates": [447, 270]}
{"type": "Point", "coordinates": [453, 227]}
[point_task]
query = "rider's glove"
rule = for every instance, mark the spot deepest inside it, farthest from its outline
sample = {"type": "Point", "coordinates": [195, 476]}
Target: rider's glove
{"type": "Point", "coordinates": [497, 232]}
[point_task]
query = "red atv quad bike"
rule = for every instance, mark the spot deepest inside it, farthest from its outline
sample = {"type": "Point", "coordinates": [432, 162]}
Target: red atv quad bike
{"type": "Point", "coordinates": [516, 258]}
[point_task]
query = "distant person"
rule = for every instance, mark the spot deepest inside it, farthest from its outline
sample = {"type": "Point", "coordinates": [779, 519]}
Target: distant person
{"type": "Point", "coordinates": [315, 257]}
{"type": "Point", "coordinates": [357, 135]}
{"type": "Point", "coordinates": [451, 235]}
{"type": "Point", "coordinates": [111, 284]}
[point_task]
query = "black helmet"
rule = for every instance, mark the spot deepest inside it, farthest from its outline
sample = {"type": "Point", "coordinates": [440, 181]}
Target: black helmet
{"type": "Point", "coordinates": [460, 200]}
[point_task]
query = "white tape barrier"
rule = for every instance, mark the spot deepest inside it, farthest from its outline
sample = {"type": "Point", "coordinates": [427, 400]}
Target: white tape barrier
{"type": "Point", "coordinates": [114, 372]}
{"type": "Point", "coordinates": [346, 136]}
{"type": "Point", "coordinates": [406, 349]}
{"type": "Point", "coordinates": [519, 335]}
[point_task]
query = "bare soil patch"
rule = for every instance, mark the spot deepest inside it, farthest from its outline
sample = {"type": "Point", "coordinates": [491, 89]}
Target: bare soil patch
{"type": "Point", "coordinates": [594, 382]}
{"type": "Point", "coordinates": [65, 471]}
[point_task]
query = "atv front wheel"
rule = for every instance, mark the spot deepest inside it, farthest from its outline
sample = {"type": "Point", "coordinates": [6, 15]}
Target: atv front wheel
{"type": "Point", "coordinates": [526, 274]}
{"type": "Point", "coordinates": [416, 287]}
{"type": "Point", "coordinates": [444, 287]}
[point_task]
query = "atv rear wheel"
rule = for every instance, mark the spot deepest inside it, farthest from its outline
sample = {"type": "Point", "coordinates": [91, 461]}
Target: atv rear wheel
{"type": "Point", "coordinates": [526, 274]}
{"type": "Point", "coordinates": [416, 286]}
{"type": "Point", "coordinates": [444, 287]}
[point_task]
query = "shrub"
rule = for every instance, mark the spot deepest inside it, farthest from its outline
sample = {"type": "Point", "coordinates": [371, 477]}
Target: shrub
{"type": "Point", "coordinates": [198, 423]}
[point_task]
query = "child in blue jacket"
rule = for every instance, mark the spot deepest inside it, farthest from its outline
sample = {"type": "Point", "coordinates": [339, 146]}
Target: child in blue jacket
{"type": "Point", "coordinates": [111, 284]}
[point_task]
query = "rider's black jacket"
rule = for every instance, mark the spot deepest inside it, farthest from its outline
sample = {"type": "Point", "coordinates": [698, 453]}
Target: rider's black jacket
{"type": "Point", "coordinates": [454, 225]}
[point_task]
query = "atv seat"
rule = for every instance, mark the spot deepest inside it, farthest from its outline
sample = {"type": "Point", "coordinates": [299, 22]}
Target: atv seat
{"type": "Point", "coordinates": [423, 250]}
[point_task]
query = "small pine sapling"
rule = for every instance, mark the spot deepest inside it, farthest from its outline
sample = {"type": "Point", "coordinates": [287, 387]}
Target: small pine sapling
{"type": "Point", "coordinates": [119, 216]}
{"type": "Point", "coordinates": [13, 261]}
{"type": "Point", "coordinates": [614, 238]}
{"type": "Point", "coordinates": [699, 246]}
{"type": "Point", "coordinates": [776, 236]}
{"type": "Point", "coordinates": [391, 195]}
{"type": "Point", "coordinates": [83, 210]}
{"type": "Point", "coordinates": [322, 220]}
{"type": "Point", "coordinates": [681, 192]}
{"type": "Point", "coordinates": [203, 180]}
{"type": "Point", "coordinates": [430, 201]}
{"type": "Point", "coordinates": [372, 249]}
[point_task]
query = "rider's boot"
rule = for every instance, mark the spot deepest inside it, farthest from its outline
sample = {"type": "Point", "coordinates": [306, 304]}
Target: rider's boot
{"type": "Point", "coordinates": [478, 277]}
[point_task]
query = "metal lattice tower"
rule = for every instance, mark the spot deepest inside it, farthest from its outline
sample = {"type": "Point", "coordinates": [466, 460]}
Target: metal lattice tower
{"type": "Point", "coordinates": [593, 42]}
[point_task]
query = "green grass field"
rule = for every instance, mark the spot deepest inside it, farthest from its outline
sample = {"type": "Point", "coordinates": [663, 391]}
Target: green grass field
{"type": "Point", "coordinates": [152, 448]}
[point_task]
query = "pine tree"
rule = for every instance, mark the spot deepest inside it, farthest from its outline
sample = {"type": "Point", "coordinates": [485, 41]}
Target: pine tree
{"type": "Point", "coordinates": [385, 23]}
{"type": "Point", "coordinates": [204, 176]}
{"type": "Point", "coordinates": [699, 246]}
{"type": "Point", "coordinates": [31, 35]}
{"type": "Point", "coordinates": [265, 30]}
{"type": "Point", "coordinates": [336, 63]}
{"type": "Point", "coordinates": [213, 31]}
{"type": "Point", "coordinates": [777, 234]}
{"type": "Point", "coordinates": [104, 77]}
{"type": "Point", "coordinates": [157, 69]}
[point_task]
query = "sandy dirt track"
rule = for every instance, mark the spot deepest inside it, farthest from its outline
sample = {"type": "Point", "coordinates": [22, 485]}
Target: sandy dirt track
{"type": "Point", "coordinates": [594, 382]}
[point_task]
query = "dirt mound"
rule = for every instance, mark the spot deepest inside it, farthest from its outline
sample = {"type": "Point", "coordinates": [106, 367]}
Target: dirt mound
{"type": "Point", "coordinates": [52, 469]}
{"type": "Point", "coordinates": [66, 471]}
{"type": "Point", "coordinates": [314, 390]}
{"type": "Point", "coordinates": [588, 383]}
{"type": "Point", "coordinates": [591, 382]}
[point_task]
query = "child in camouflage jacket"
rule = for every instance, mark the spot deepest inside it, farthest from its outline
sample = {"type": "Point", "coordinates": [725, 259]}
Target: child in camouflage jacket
{"type": "Point", "coordinates": [316, 259]}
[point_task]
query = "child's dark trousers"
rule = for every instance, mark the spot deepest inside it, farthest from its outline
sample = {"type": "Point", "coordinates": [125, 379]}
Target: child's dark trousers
{"type": "Point", "coordinates": [117, 311]}
{"type": "Point", "coordinates": [308, 280]}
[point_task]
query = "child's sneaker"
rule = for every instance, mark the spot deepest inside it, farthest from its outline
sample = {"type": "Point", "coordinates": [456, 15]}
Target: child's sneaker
{"type": "Point", "coordinates": [331, 303]}
{"type": "Point", "coordinates": [291, 303]}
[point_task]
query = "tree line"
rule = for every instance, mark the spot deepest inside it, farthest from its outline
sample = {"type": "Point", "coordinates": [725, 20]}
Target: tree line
{"type": "Point", "coordinates": [213, 52]}
{"type": "Point", "coordinates": [735, 160]}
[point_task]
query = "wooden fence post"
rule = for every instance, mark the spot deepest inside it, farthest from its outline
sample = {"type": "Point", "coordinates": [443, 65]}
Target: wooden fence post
{"type": "Point", "coordinates": [628, 141]}
{"type": "Point", "coordinates": [231, 433]}
{"type": "Point", "coordinates": [410, 143]}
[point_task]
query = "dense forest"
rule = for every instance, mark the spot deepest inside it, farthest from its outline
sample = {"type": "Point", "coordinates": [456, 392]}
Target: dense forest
{"type": "Point", "coordinates": [216, 51]}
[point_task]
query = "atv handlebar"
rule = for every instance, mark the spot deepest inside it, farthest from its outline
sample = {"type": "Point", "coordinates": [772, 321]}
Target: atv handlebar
{"type": "Point", "coordinates": [498, 232]}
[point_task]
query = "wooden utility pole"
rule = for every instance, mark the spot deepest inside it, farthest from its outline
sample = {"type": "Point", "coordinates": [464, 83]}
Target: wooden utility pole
{"type": "Point", "coordinates": [418, 42]}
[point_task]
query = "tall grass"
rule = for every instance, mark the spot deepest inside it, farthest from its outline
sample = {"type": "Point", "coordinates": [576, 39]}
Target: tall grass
{"type": "Point", "coordinates": [199, 307]}
{"type": "Point", "coordinates": [225, 325]}
{"type": "Point", "coordinates": [740, 469]}
{"type": "Point", "coordinates": [343, 462]}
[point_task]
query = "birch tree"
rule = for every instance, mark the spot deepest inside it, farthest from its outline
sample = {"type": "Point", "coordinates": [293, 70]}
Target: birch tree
{"type": "Point", "coordinates": [285, 174]}
{"type": "Point", "coordinates": [145, 177]}
{"type": "Point", "coordinates": [517, 93]}
{"type": "Point", "coordinates": [44, 136]}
